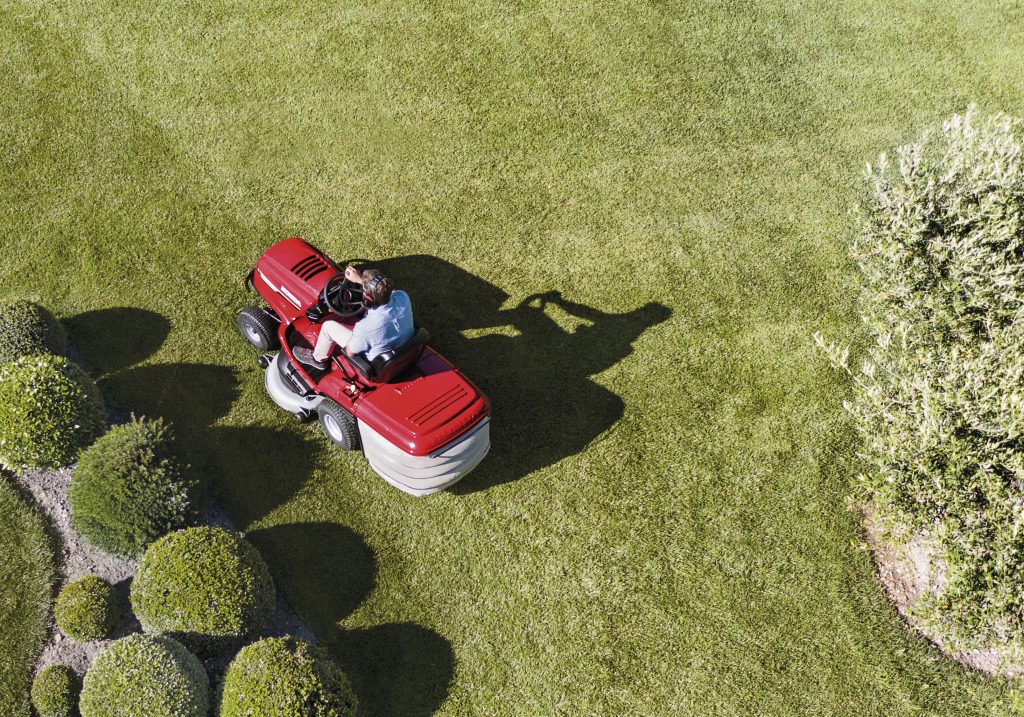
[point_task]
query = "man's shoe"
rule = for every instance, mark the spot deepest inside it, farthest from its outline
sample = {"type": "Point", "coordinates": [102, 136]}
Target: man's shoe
{"type": "Point", "coordinates": [304, 355]}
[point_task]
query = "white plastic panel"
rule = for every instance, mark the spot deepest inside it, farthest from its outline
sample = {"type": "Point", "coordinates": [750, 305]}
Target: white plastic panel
{"type": "Point", "coordinates": [423, 475]}
{"type": "Point", "coordinates": [282, 394]}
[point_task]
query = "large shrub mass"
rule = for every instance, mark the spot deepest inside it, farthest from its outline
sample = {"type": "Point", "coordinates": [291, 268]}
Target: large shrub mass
{"type": "Point", "coordinates": [49, 411]}
{"type": "Point", "coordinates": [87, 609]}
{"type": "Point", "coordinates": [27, 572]}
{"type": "Point", "coordinates": [205, 586]}
{"type": "Point", "coordinates": [285, 677]}
{"type": "Point", "coordinates": [146, 676]}
{"type": "Point", "coordinates": [129, 488]}
{"type": "Point", "coordinates": [940, 398]}
{"type": "Point", "coordinates": [28, 328]}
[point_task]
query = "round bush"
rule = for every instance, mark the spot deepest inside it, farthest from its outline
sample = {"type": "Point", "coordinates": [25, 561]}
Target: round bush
{"type": "Point", "coordinates": [205, 586]}
{"type": "Point", "coordinates": [49, 411]}
{"type": "Point", "coordinates": [55, 691]}
{"type": "Point", "coordinates": [87, 609]}
{"type": "Point", "coordinates": [145, 675]}
{"type": "Point", "coordinates": [285, 677]}
{"type": "Point", "coordinates": [27, 328]}
{"type": "Point", "coordinates": [129, 488]}
{"type": "Point", "coordinates": [937, 396]}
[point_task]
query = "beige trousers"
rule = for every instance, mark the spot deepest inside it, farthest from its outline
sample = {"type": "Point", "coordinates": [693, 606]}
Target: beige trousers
{"type": "Point", "coordinates": [331, 333]}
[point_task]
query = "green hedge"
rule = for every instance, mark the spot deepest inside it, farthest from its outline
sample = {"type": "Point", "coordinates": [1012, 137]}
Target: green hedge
{"type": "Point", "coordinates": [55, 691]}
{"type": "Point", "coordinates": [130, 488]}
{"type": "Point", "coordinates": [285, 677]}
{"type": "Point", "coordinates": [28, 328]}
{"type": "Point", "coordinates": [26, 584]}
{"type": "Point", "coordinates": [939, 400]}
{"type": "Point", "coordinates": [145, 676]}
{"type": "Point", "coordinates": [87, 609]}
{"type": "Point", "coordinates": [205, 586]}
{"type": "Point", "coordinates": [49, 411]}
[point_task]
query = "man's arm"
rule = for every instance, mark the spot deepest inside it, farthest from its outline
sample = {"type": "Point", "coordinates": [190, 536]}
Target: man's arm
{"type": "Point", "coordinates": [354, 275]}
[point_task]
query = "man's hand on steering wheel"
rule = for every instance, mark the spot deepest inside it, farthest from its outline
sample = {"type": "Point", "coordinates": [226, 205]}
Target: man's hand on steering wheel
{"type": "Point", "coordinates": [343, 296]}
{"type": "Point", "coordinates": [354, 275]}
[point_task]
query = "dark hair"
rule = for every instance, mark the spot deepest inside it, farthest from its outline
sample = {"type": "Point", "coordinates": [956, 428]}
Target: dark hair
{"type": "Point", "coordinates": [377, 286]}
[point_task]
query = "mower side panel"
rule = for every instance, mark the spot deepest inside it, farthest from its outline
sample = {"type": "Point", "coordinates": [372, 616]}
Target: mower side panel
{"type": "Point", "coordinates": [425, 475]}
{"type": "Point", "coordinates": [281, 305]}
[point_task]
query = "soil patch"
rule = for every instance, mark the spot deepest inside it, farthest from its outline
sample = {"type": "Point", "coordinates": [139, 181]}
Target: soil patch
{"type": "Point", "coordinates": [910, 570]}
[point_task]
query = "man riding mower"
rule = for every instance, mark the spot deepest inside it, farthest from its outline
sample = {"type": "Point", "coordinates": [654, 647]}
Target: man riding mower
{"type": "Point", "coordinates": [421, 424]}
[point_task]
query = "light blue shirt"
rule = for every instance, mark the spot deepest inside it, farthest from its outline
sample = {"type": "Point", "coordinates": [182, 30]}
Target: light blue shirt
{"type": "Point", "coordinates": [383, 328]}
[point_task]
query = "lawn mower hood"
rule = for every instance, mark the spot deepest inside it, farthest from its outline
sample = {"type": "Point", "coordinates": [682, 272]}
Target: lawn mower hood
{"type": "Point", "coordinates": [294, 272]}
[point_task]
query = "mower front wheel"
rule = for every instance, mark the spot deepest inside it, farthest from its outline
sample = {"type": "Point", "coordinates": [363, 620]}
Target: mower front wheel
{"type": "Point", "coordinates": [258, 329]}
{"type": "Point", "coordinates": [339, 425]}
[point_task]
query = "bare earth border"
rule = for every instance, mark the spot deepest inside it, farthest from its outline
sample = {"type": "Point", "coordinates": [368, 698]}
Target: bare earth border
{"type": "Point", "coordinates": [908, 571]}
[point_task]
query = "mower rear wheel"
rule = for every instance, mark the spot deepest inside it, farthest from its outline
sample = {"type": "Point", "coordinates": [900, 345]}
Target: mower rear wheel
{"type": "Point", "coordinates": [339, 425]}
{"type": "Point", "coordinates": [258, 329]}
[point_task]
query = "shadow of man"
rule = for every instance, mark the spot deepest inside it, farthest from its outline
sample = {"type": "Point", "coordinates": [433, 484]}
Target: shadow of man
{"type": "Point", "coordinates": [534, 361]}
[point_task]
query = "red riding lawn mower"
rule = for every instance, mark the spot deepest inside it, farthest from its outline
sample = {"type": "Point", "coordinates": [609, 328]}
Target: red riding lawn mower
{"type": "Point", "coordinates": [421, 423]}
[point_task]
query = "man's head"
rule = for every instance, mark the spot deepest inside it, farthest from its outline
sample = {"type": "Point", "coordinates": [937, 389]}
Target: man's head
{"type": "Point", "coordinates": [376, 287]}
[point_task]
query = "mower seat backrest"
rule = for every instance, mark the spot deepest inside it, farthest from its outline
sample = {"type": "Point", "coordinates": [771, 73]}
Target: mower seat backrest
{"type": "Point", "coordinates": [390, 364]}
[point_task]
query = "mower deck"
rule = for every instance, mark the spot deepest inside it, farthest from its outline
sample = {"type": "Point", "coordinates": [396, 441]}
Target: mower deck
{"type": "Point", "coordinates": [284, 394]}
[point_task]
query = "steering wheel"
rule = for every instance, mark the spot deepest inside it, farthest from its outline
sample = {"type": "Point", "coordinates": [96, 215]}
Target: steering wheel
{"type": "Point", "coordinates": [343, 297]}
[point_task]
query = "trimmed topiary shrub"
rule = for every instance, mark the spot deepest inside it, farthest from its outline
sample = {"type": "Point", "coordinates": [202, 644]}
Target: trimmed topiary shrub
{"type": "Point", "coordinates": [55, 691]}
{"type": "Point", "coordinates": [49, 411]}
{"type": "Point", "coordinates": [87, 609]}
{"type": "Point", "coordinates": [205, 586]}
{"type": "Point", "coordinates": [285, 677]}
{"type": "Point", "coordinates": [147, 676]}
{"type": "Point", "coordinates": [939, 399]}
{"type": "Point", "coordinates": [27, 328]}
{"type": "Point", "coordinates": [129, 488]}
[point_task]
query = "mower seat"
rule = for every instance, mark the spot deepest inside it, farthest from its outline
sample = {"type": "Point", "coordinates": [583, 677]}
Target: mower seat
{"type": "Point", "coordinates": [390, 364]}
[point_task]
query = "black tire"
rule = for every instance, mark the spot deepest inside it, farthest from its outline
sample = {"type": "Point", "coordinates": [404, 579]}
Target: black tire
{"type": "Point", "coordinates": [339, 425]}
{"type": "Point", "coordinates": [258, 329]}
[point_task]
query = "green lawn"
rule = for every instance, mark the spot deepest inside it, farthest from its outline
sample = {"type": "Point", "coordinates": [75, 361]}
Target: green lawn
{"type": "Point", "coordinates": [661, 527]}
{"type": "Point", "coordinates": [26, 581]}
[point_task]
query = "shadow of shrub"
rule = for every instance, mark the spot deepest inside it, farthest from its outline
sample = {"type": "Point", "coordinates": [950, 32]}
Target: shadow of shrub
{"type": "Point", "coordinates": [117, 338]}
{"type": "Point", "coordinates": [326, 569]}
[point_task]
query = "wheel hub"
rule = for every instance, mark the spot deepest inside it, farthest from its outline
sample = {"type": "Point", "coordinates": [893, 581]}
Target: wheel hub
{"type": "Point", "coordinates": [333, 429]}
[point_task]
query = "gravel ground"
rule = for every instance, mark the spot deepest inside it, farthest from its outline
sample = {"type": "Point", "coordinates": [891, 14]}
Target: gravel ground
{"type": "Point", "coordinates": [76, 558]}
{"type": "Point", "coordinates": [907, 571]}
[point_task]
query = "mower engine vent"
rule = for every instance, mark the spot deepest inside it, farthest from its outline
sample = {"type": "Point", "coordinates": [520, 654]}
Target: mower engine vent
{"type": "Point", "coordinates": [442, 402]}
{"type": "Point", "coordinates": [310, 267]}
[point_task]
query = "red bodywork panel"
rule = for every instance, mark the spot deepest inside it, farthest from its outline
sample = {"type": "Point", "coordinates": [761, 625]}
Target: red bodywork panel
{"type": "Point", "coordinates": [290, 275]}
{"type": "Point", "coordinates": [432, 405]}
